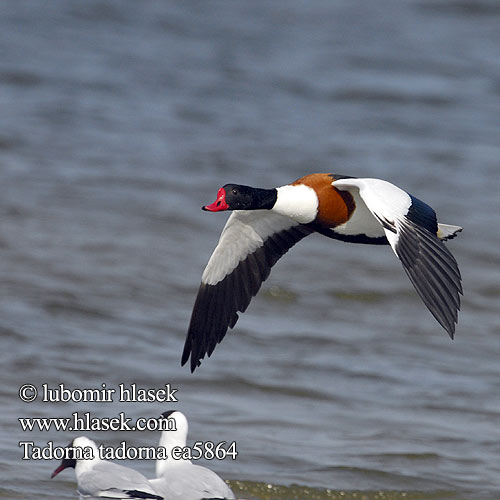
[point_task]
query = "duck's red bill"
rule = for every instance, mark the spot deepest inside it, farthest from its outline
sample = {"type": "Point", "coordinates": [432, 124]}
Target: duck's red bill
{"type": "Point", "coordinates": [219, 204]}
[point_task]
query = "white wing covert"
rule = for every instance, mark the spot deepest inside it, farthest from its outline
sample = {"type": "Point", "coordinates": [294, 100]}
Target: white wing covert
{"type": "Point", "coordinates": [411, 228]}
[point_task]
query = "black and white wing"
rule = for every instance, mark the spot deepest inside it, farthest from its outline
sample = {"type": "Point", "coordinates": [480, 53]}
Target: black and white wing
{"type": "Point", "coordinates": [411, 228]}
{"type": "Point", "coordinates": [110, 480]}
{"type": "Point", "coordinates": [251, 242]}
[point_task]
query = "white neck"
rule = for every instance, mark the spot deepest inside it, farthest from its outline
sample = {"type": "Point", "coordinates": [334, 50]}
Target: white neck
{"type": "Point", "coordinates": [298, 202]}
{"type": "Point", "coordinates": [170, 439]}
{"type": "Point", "coordinates": [84, 465]}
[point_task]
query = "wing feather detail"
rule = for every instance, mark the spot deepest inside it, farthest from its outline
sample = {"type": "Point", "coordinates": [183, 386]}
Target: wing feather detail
{"type": "Point", "coordinates": [433, 271]}
{"type": "Point", "coordinates": [110, 480]}
{"type": "Point", "coordinates": [250, 244]}
{"type": "Point", "coordinates": [412, 230]}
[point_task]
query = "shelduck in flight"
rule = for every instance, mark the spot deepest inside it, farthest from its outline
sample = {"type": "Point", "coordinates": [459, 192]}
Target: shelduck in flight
{"type": "Point", "coordinates": [266, 223]}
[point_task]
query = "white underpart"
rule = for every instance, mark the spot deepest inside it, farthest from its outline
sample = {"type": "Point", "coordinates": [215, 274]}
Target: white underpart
{"type": "Point", "coordinates": [362, 221]}
{"type": "Point", "coordinates": [244, 232]}
{"type": "Point", "coordinates": [382, 199]}
{"type": "Point", "coordinates": [299, 202]}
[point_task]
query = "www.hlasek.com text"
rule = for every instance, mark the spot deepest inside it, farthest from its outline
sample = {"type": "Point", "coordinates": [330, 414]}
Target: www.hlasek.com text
{"type": "Point", "coordinates": [87, 423]}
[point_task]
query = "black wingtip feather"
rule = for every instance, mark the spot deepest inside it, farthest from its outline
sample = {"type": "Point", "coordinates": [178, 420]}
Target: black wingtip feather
{"type": "Point", "coordinates": [142, 494]}
{"type": "Point", "coordinates": [216, 306]}
{"type": "Point", "coordinates": [433, 271]}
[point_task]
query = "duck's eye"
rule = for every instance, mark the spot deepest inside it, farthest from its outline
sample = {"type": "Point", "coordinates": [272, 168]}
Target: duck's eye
{"type": "Point", "coordinates": [235, 191]}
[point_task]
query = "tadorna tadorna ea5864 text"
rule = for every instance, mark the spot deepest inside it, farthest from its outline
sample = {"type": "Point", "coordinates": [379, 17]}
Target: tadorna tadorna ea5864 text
{"type": "Point", "coordinates": [266, 223]}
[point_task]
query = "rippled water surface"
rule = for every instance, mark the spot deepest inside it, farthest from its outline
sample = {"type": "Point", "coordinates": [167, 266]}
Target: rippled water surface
{"type": "Point", "coordinates": [120, 119]}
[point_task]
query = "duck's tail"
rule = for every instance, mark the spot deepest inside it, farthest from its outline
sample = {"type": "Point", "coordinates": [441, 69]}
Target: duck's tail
{"type": "Point", "coordinates": [447, 232]}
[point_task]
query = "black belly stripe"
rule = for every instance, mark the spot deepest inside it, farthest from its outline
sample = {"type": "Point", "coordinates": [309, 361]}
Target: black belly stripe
{"type": "Point", "coordinates": [352, 238]}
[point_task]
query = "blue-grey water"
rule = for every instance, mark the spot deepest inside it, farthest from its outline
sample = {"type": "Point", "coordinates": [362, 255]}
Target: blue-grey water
{"type": "Point", "coordinates": [118, 120]}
